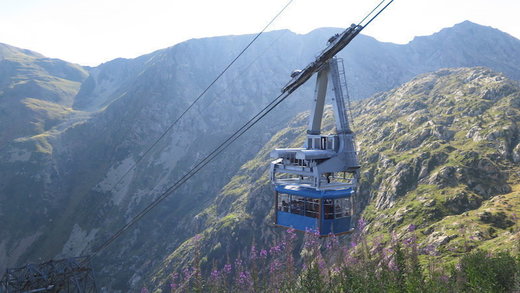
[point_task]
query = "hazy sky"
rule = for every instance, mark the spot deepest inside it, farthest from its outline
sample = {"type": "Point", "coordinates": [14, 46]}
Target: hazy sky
{"type": "Point", "coordinates": [90, 32]}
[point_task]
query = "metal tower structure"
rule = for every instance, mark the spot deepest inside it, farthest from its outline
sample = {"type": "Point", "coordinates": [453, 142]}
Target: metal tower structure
{"type": "Point", "coordinates": [63, 276]}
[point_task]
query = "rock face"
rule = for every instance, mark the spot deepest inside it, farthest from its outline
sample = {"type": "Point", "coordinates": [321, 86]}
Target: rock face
{"type": "Point", "coordinates": [453, 97]}
{"type": "Point", "coordinates": [69, 133]}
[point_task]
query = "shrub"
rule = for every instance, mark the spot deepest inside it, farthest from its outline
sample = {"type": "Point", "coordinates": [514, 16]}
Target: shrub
{"type": "Point", "coordinates": [483, 272]}
{"type": "Point", "coordinates": [327, 266]}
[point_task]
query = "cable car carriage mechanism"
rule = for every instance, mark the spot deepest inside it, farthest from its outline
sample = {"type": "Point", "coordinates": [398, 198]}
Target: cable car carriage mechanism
{"type": "Point", "coordinates": [314, 185]}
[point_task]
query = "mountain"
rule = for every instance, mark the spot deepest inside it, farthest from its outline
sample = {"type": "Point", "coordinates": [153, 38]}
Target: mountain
{"type": "Point", "coordinates": [444, 49]}
{"type": "Point", "coordinates": [442, 153]}
{"type": "Point", "coordinates": [36, 93]}
{"type": "Point", "coordinates": [61, 192]}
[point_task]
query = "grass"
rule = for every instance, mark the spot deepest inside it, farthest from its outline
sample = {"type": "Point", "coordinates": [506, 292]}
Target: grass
{"type": "Point", "coordinates": [48, 109]}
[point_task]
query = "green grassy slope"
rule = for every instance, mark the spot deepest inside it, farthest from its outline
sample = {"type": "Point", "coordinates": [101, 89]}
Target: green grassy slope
{"type": "Point", "coordinates": [36, 92]}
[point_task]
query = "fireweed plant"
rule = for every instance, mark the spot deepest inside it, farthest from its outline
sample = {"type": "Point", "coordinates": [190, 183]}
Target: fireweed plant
{"type": "Point", "coordinates": [326, 265]}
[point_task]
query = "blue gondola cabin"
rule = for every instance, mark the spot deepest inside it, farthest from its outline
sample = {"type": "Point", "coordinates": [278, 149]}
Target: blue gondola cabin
{"type": "Point", "coordinates": [325, 212]}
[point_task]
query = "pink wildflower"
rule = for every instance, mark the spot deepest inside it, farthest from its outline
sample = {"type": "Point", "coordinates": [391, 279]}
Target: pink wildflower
{"type": "Point", "coordinates": [253, 253]}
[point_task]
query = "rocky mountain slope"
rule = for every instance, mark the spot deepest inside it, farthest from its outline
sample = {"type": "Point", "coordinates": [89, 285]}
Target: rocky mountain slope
{"type": "Point", "coordinates": [73, 132]}
{"type": "Point", "coordinates": [440, 152]}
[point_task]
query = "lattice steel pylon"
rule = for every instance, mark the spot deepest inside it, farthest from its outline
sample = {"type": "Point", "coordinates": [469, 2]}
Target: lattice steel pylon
{"type": "Point", "coordinates": [64, 275]}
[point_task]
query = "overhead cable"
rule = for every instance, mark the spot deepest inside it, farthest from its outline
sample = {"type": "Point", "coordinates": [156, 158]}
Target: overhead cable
{"type": "Point", "coordinates": [200, 96]}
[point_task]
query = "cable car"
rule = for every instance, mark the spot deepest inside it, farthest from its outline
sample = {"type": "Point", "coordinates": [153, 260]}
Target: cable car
{"type": "Point", "coordinates": [307, 209]}
{"type": "Point", "coordinates": [314, 185]}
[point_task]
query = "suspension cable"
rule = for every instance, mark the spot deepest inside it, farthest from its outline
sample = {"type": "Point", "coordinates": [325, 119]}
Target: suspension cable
{"type": "Point", "coordinates": [238, 133]}
{"type": "Point", "coordinates": [200, 96]}
{"type": "Point", "coordinates": [368, 14]}
{"type": "Point", "coordinates": [377, 14]}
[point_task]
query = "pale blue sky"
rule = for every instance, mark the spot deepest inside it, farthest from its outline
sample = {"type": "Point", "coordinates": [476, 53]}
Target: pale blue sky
{"type": "Point", "coordinates": [95, 31]}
